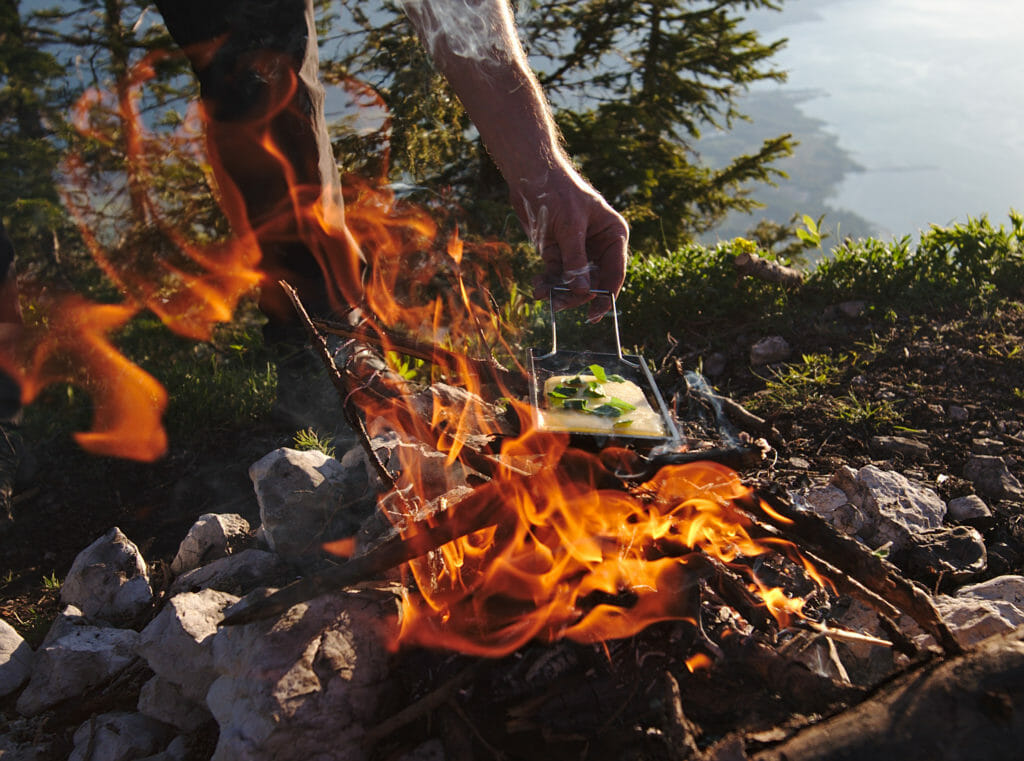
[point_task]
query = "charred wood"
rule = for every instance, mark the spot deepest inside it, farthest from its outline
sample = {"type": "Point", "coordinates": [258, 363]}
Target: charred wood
{"type": "Point", "coordinates": [855, 560]}
{"type": "Point", "coordinates": [479, 510]}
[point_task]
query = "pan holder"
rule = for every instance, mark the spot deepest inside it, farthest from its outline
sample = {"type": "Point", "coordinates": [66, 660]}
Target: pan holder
{"type": "Point", "coordinates": [632, 367]}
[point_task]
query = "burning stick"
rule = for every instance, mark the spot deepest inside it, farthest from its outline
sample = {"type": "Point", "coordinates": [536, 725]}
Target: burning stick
{"type": "Point", "coordinates": [391, 554]}
{"type": "Point", "coordinates": [489, 368]}
{"type": "Point", "coordinates": [856, 561]}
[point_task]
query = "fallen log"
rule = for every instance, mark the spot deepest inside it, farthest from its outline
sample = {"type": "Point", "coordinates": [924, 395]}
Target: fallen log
{"type": "Point", "coordinates": [962, 708]}
{"type": "Point", "coordinates": [751, 265]}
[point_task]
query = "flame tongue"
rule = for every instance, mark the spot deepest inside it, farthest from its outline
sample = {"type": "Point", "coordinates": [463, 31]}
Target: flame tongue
{"type": "Point", "coordinates": [571, 553]}
{"type": "Point", "coordinates": [575, 561]}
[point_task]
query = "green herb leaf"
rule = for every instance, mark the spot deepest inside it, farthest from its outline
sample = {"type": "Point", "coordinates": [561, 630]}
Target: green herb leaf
{"type": "Point", "coordinates": [573, 382]}
{"type": "Point", "coordinates": [599, 373]}
{"type": "Point", "coordinates": [605, 410]}
{"type": "Point", "coordinates": [575, 404]}
{"type": "Point", "coordinates": [622, 423]}
{"type": "Point", "coordinates": [619, 404]}
{"type": "Point", "coordinates": [564, 391]}
{"type": "Point", "coordinates": [616, 378]}
{"type": "Point", "coordinates": [594, 391]}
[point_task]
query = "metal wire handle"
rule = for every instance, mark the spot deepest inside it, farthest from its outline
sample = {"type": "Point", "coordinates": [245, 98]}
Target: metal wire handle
{"type": "Point", "coordinates": [615, 322]}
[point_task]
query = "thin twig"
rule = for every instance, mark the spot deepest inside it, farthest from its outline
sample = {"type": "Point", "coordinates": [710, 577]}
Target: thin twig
{"type": "Point", "coordinates": [349, 409]}
{"type": "Point", "coordinates": [856, 561]}
{"type": "Point", "coordinates": [429, 702]}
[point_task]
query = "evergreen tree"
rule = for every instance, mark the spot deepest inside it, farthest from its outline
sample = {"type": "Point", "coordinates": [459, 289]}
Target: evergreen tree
{"type": "Point", "coordinates": [128, 160]}
{"type": "Point", "coordinates": [30, 115]}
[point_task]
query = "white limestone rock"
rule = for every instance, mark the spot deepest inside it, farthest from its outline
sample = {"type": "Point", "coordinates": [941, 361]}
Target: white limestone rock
{"type": "Point", "coordinates": [978, 611]}
{"type": "Point", "coordinates": [16, 659]}
{"type": "Point", "coordinates": [66, 667]}
{"type": "Point", "coordinates": [109, 580]}
{"type": "Point", "coordinates": [164, 701]}
{"type": "Point", "coordinates": [237, 574]}
{"type": "Point", "coordinates": [894, 508]}
{"type": "Point", "coordinates": [211, 537]}
{"type": "Point", "coordinates": [177, 644]}
{"type": "Point", "coordinates": [832, 504]}
{"type": "Point", "coordinates": [308, 497]}
{"type": "Point", "coordinates": [176, 750]}
{"type": "Point", "coordinates": [303, 687]}
{"type": "Point", "coordinates": [118, 736]}
{"type": "Point", "coordinates": [770, 350]}
{"type": "Point", "coordinates": [969, 508]}
{"type": "Point", "coordinates": [992, 477]}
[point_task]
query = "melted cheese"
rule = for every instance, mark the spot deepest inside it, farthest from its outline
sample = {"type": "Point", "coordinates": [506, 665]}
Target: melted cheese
{"type": "Point", "coordinates": [644, 421]}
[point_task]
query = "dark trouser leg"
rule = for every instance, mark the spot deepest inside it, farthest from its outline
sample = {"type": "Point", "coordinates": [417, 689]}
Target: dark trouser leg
{"type": "Point", "coordinates": [257, 65]}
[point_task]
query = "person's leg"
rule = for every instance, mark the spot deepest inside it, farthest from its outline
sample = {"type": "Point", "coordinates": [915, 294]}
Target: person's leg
{"type": "Point", "coordinates": [257, 66]}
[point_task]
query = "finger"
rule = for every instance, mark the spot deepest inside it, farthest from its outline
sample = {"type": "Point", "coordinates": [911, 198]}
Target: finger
{"type": "Point", "coordinates": [610, 273]}
{"type": "Point", "coordinates": [599, 307]}
{"type": "Point", "coordinates": [575, 265]}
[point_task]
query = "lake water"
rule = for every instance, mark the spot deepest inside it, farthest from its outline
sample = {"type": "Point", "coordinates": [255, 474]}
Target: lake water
{"type": "Point", "coordinates": [926, 95]}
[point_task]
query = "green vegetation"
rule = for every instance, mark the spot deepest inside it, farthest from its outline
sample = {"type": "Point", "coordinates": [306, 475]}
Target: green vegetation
{"type": "Point", "coordinates": [956, 268]}
{"type": "Point", "coordinates": [310, 440]}
{"type": "Point", "coordinates": [671, 76]}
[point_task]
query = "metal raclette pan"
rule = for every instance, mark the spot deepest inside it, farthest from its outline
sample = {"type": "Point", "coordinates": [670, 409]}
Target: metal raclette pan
{"type": "Point", "coordinates": [631, 367]}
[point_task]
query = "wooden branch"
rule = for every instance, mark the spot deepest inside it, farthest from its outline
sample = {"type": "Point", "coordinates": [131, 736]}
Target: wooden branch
{"type": "Point", "coordinates": [855, 560]}
{"type": "Point", "coordinates": [423, 706]}
{"type": "Point", "coordinates": [751, 265]}
{"type": "Point", "coordinates": [746, 419]}
{"type": "Point", "coordinates": [489, 369]}
{"type": "Point", "coordinates": [958, 709]}
{"type": "Point", "coordinates": [479, 510]}
{"type": "Point", "coordinates": [352, 416]}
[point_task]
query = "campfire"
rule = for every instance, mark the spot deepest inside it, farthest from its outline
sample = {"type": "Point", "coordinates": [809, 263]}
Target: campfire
{"type": "Point", "coordinates": [606, 595]}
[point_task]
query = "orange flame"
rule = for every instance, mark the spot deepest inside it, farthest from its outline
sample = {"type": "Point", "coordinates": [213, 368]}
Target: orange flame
{"type": "Point", "coordinates": [565, 557]}
{"type": "Point", "coordinates": [571, 560]}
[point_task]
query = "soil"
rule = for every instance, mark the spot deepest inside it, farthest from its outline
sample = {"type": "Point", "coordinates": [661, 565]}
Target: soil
{"type": "Point", "coordinates": [952, 382]}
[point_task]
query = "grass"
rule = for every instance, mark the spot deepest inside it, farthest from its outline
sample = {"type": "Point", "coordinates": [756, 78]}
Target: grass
{"type": "Point", "coordinates": [855, 411]}
{"type": "Point", "coordinates": [794, 384]}
{"type": "Point", "coordinates": [215, 385]}
{"type": "Point", "coordinates": [308, 439]}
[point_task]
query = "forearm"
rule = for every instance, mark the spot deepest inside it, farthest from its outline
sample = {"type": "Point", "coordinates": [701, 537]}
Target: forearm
{"type": "Point", "coordinates": [475, 45]}
{"type": "Point", "coordinates": [582, 241]}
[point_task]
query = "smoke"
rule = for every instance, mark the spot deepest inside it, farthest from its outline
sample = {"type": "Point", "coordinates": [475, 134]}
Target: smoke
{"type": "Point", "coordinates": [470, 29]}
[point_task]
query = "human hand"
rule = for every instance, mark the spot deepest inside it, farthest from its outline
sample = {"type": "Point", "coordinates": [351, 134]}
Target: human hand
{"type": "Point", "coordinates": [582, 241]}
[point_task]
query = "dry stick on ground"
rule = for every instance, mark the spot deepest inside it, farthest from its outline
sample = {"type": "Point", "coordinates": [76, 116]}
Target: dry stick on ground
{"type": "Point", "coordinates": [752, 265]}
{"type": "Point", "coordinates": [847, 584]}
{"type": "Point", "coordinates": [856, 561]}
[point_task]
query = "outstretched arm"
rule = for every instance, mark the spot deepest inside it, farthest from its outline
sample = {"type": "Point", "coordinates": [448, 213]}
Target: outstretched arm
{"type": "Point", "coordinates": [581, 239]}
